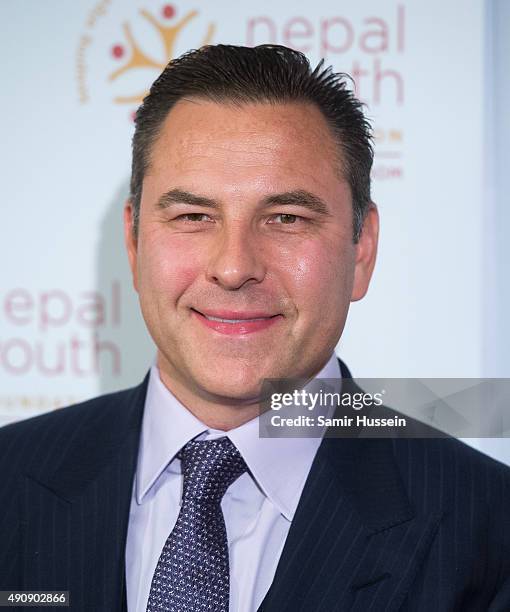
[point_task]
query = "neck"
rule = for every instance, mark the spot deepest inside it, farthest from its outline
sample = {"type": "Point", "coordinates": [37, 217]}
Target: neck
{"type": "Point", "coordinates": [216, 412]}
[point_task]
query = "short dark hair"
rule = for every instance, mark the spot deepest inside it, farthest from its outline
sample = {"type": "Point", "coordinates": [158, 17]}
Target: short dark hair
{"type": "Point", "coordinates": [265, 74]}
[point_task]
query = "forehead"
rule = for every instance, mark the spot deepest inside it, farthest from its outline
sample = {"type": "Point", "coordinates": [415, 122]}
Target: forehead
{"type": "Point", "coordinates": [200, 136]}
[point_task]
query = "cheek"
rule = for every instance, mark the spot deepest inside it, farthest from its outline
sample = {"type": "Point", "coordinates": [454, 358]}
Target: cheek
{"type": "Point", "coordinates": [167, 268]}
{"type": "Point", "coordinates": [319, 273]}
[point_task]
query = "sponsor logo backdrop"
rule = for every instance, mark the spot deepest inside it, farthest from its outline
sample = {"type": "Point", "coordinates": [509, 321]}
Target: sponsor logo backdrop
{"type": "Point", "coordinates": [73, 75]}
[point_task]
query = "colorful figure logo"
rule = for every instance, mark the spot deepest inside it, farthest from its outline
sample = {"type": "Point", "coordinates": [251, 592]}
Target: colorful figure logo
{"type": "Point", "coordinates": [136, 56]}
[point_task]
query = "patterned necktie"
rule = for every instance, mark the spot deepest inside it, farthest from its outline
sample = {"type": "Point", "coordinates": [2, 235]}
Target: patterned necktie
{"type": "Point", "coordinates": [192, 574]}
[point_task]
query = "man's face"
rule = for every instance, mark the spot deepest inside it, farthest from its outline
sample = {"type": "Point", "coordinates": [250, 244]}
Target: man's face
{"type": "Point", "coordinates": [245, 217]}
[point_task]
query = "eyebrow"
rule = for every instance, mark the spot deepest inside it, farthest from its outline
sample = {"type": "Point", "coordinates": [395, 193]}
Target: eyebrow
{"type": "Point", "coordinates": [298, 197]}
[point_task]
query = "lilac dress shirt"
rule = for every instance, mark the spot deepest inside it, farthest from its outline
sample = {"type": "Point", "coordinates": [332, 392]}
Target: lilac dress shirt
{"type": "Point", "coordinates": [258, 507]}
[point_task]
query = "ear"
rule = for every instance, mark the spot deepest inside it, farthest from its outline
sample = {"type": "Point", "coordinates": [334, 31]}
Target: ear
{"type": "Point", "coordinates": [366, 252]}
{"type": "Point", "coordinates": [131, 242]}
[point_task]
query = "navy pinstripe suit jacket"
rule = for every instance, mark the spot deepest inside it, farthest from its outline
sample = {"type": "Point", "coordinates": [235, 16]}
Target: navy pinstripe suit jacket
{"type": "Point", "coordinates": [415, 525]}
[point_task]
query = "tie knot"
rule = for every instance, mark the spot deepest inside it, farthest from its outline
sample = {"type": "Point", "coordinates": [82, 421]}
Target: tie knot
{"type": "Point", "coordinates": [209, 467]}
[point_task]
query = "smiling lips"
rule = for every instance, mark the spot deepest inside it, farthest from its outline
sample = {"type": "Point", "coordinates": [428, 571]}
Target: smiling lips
{"type": "Point", "coordinates": [235, 322]}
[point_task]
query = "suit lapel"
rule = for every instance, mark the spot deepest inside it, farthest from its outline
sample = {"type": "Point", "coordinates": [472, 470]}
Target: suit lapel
{"type": "Point", "coordinates": [75, 519]}
{"type": "Point", "coordinates": [355, 542]}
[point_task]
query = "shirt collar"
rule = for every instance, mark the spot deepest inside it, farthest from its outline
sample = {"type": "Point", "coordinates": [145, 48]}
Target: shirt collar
{"type": "Point", "coordinates": [280, 466]}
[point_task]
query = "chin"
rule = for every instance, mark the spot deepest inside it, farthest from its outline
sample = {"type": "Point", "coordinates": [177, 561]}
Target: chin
{"type": "Point", "coordinates": [237, 385]}
{"type": "Point", "coordinates": [233, 394]}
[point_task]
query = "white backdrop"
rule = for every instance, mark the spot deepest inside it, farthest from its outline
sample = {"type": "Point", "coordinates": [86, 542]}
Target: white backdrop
{"type": "Point", "coordinates": [74, 73]}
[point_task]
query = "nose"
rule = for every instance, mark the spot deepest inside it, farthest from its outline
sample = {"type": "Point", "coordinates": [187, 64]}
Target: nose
{"type": "Point", "coordinates": [236, 258]}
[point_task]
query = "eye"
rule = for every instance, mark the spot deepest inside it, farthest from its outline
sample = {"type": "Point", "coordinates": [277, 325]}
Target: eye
{"type": "Point", "coordinates": [193, 217]}
{"type": "Point", "coordinates": [287, 219]}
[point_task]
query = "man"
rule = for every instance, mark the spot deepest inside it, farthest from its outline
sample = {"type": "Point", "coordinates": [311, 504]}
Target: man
{"type": "Point", "coordinates": [249, 231]}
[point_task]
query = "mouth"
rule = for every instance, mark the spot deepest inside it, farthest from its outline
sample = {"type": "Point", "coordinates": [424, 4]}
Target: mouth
{"type": "Point", "coordinates": [236, 322]}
